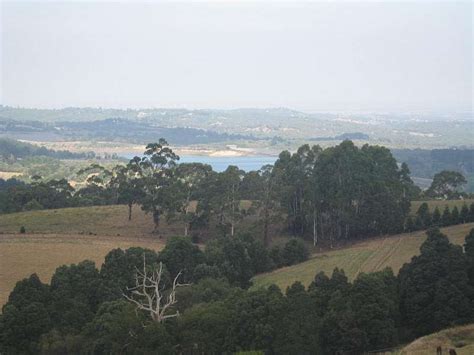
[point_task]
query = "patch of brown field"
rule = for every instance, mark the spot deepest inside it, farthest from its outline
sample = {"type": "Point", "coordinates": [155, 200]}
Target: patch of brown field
{"type": "Point", "coordinates": [94, 220]}
{"type": "Point", "coordinates": [24, 254]}
{"type": "Point", "coordinates": [9, 174]}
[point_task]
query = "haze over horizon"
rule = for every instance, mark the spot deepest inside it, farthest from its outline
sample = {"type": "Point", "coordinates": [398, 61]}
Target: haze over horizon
{"type": "Point", "coordinates": [308, 56]}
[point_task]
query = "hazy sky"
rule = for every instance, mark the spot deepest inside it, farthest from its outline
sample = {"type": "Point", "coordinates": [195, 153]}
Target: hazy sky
{"type": "Point", "coordinates": [310, 56]}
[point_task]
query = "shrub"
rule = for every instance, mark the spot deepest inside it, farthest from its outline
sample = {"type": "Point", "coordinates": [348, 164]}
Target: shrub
{"type": "Point", "coordinates": [294, 252]}
{"type": "Point", "coordinates": [22, 230]}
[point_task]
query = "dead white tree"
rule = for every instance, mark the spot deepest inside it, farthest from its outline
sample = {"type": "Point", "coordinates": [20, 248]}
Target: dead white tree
{"type": "Point", "coordinates": [150, 293]}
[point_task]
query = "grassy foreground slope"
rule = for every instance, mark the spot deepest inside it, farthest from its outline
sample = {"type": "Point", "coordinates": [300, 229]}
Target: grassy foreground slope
{"type": "Point", "coordinates": [365, 256]}
{"type": "Point", "coordinates": [70, 235]}
{"type": "Point", "coordinates": [459, 338]}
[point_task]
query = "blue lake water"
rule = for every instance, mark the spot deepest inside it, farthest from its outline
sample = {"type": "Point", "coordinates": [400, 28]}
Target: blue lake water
{"type": "Point", "coordinates": [246, 163]}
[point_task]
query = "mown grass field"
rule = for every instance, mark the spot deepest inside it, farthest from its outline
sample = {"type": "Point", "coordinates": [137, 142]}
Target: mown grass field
{"type": "Point", "coordinates": [366, 256]}
{"type": "Point", "coordinates": [461, 339]}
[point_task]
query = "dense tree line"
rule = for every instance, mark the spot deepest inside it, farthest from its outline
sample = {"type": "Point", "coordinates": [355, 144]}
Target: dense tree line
{"type": "Point", "coordinates": [83, 310]}
{"type": "Point", "coordinates": [328, 195]}
{"type": "Point", "coordinates": [425, 219]}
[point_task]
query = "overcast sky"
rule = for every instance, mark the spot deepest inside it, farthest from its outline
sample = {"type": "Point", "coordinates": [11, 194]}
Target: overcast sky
{"type": "Point", "coordinates": [326, 56]}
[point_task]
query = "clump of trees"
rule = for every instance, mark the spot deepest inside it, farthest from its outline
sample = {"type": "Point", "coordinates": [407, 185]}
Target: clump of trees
{"type": "Point", "coordinates": [83, 310]}
{"type": "Point", "coordinates": [447, 185]}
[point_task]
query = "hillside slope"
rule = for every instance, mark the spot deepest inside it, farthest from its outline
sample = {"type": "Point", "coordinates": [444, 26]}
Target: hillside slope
{"type": "Point", "coordinates": [461, 339]}
{"type": "Point", "coordinates": [366, 256]}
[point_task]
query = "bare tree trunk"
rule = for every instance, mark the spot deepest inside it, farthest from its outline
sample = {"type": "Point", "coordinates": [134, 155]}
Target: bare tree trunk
{"type": "Point", "coordinates": [315, 228]}
{"type": "Point", "coordinates": [148, 293]}
{"type": "Point", "coordinates": [156, 220]}
{"type": "Point", "coordinates": [186, 229]}
{"type": "Point", "coordinates": [130, 211]}
{"type": "Point", "coordinates": [266, 241]}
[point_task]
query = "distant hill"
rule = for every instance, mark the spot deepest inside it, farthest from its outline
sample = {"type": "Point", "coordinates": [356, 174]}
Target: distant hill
{"type": "Point", "coordinates": [402, 130]}
{"type": "Point", "coordinates": [112, 129]}
{"type": "Point", "coordinates": [426, 163]}
{"type": "Point", "coordinates": [11, 149]}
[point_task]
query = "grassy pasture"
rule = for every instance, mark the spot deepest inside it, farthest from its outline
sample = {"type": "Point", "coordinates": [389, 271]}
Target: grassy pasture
{"type": "Point", "coordinates": [22, 255]}
{"type": "Point", "coordinates": [100, 220]}
{"type": "Point", "coordinates": [459, 338]}
{"type": "Point", "coordinates": [366, 256]}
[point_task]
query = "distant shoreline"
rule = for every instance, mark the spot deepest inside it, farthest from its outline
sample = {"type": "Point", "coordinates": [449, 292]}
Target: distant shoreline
{"type": "Point", "coordinates": [121, 149]}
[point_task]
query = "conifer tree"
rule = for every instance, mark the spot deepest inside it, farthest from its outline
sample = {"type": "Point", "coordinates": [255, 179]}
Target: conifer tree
{"type": "Point", "coordinates": [436, 219]}
{"type": "Point", "coordinates": [409, 224]}
{"type": "Point", "coordinates": [446, 217]}
{"type": "Point", "coordinates": [471, 212]}
{"type": "Point", "coordinates": [464, 214]}
{"type": "Point", "coordinates": [455, 215]}
{"type": "Point", "coordinates": [424, 214]}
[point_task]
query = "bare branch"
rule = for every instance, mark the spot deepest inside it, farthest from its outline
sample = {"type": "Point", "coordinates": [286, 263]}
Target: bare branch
{"type": "Point", "coordinates": [149, 290]}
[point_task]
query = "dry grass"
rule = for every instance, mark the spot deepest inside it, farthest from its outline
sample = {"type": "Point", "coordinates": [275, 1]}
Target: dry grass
{"type": "Point", "coordinates": [8, 174]}
{"type": "Point", "coordinates": [460, 339]}
{"type": "Point", "coordinates": [371, 255]}
{"type": "Point", "coordinates": [22, 255]}
{"type": "Point", "coordinates": [69, 235]}
{"type": "Point", "coordinates": [100, 220]}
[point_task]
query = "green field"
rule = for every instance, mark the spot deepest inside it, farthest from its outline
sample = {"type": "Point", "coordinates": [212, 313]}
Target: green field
{"type": "Point", "coordinates": [366, 256]}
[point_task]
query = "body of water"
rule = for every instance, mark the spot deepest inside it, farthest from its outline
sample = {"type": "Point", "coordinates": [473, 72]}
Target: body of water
{"type": "Point", "coordinates": [246, 163]}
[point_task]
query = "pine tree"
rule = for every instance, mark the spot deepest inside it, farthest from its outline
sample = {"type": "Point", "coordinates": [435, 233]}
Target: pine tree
{"type": "Point", "coordinates": [464, 215]}
{"type": "Point", "coordinates": [409, 224]}
{"type": "Point", "coordinates": [471, 212]}
{"type": "Point", "coordinates": [436, 219]}
{"type": "Point", "coordinates": [455, 215]}
{"type": "Point", "coordinates": [446, 217]}
{"type": "Point", "coordinates": [469, 251]}
{"type": "Point", "coordinates": [418, 223]}
{"type": "Point", "coordinates": [424, 214]}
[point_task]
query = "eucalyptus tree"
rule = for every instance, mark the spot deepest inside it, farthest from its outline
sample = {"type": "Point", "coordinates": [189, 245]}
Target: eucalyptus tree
{"type": "Point", "coordinates": [156, 170]}
{"type": "Point", "coordinates": [293, 173]}
{"type": "Point", "coordinates": [128, 184]}
{"type": "Point", "coordinates": [446, 184]}
{"type": "Point", "coordinates": [190, 178]}
{"type": "Point", "coordinates": [226, 197]}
